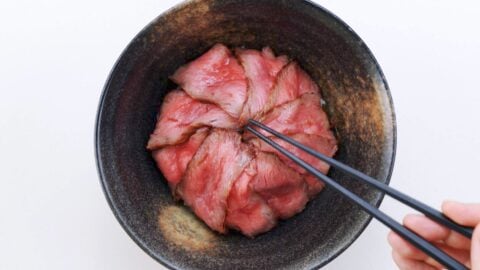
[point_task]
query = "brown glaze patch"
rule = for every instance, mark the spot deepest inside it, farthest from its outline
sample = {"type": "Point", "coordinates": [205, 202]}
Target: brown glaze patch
{"type": "Point", "coordinates": [357, 115]}
{"type": "Point", "coordinates": [180, 227]}
{"type": "Point", "coordinates": [189, 14]}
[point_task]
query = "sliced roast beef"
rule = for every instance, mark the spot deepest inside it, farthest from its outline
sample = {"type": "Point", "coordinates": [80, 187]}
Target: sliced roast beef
{"type": "Point", "coordinates": [181, 115]}
{"type": "Point", "coordinates": [325, 144]}
{"type": "Point", "coordinates": [173, 160]}
{"type": "Point", "coordinates": [216, 77]}
{"type": "Point", "coordinates": [291, 83]}
{"type": "Point", "coordinates": [247, 212]}
{"type": "Point", "coordinates": [228, 182]}
{"type": "Point", "coordinates": [314, 185]}
{"type": "Point", "coordinates": [219, 161]}
{"type": "Point", "coordinates": [282, 188]}
{"type": "Point", "coordinates": [302, 115]}
{"type": "Point", "coordinates": [261, 69]}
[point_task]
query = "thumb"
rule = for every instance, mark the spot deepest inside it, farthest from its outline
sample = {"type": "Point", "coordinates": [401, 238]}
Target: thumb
{"type": "Point", "coordinates": [475, 251]}
{"type": "Point", "coordinates": [467, 214]}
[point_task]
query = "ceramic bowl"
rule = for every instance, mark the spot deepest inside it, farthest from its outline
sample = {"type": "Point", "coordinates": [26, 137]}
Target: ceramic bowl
{"type": "Point", "coordinates": [357, 101]}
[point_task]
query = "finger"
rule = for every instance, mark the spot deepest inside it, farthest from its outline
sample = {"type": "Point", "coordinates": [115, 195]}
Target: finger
{"type": "Point", "coordinates": [428, 229]}
{"type": "Point", "coordinates": [467, 214]}
{"type": "Point", "coordinates": [433, 232]}
{"type": "Point", "coordinates": [407, 250]}
{"type": "Point", "coordinates": [410, 264]}
{"type": "Point", "coordinates": [475, 252]}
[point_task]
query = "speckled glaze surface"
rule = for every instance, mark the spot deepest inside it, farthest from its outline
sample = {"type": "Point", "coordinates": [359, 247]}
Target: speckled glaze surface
{"type": "Point", "coordinates": [357, 101]}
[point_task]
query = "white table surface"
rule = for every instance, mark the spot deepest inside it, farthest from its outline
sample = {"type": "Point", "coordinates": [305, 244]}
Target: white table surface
{"type": "Point", "coordinates": [55, 57]}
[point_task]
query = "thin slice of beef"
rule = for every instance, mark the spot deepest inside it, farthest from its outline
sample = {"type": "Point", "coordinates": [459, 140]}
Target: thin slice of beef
{"type": "Point", "coordinates": [261, 69]}
{"type": "Point", "coordinates": [247, 212]}
{"type": "Point", "coordinates": [314, 185]}
{"type": "Point", "coordinates": [173, 160]}
{"type": "Point", "coordinates": [219, 161]}
{"type": "Point", "coordinates": [181, 115]}
{"type": "Point", "coordinates": [325, 144]}
{"type": "Point", "coordinates": [291, 83]}
{"type": "Point", "coordinates": [282, 188]}
{"type": "Point", "coordinates": [302, 115]}
{"type": "Point", "coordinates": [216, 77]}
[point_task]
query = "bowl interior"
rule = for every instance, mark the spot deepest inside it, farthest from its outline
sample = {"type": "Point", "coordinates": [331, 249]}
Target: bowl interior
{"type": "Point", "coordinates": [357, 101]}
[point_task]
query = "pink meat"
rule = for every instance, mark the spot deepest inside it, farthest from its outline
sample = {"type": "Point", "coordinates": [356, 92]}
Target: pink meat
{"type": "Point", "coordinates": [261, 69]}
{"type": "Point", "coordinates": [303, 115]}
{"type": "Point", "coordinates": [314, 186]}
{"type": "Point", "coordinates": [282, 188]}
{"type": "Point", "coordinates": [292, 82]}
{"type": "Point", "coordinates": [247, 211]}
{"type": "Point", "coordinates": [325, 144]}
{"type": "Point", "coordinates": [173, 160]}
{"type": "Point", "coordinates": [181, 115]}
{"type": "Point", "coordinates": [219, 161]}
{"type": "Point", "coordinates": [216, 77]}
{"type": "Point", "coordinates": [228, 182]}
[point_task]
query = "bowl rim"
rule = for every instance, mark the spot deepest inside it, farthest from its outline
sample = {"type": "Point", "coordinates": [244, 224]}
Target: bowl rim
{"type": "Point", "coordinates": [98, 155]}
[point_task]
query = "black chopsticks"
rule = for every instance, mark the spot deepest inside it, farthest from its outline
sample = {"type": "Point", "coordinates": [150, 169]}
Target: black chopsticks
{"type": "Point", "coordinates": [407, 234]}
{"type": "Point", "coordinates": [415, 204]}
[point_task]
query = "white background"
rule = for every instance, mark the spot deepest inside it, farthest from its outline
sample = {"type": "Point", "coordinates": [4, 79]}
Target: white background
{"type": "Point", "coordinates": [55, 57]}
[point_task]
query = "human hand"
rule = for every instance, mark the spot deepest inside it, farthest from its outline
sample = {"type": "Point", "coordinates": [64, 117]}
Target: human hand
{"type": "Point", "coordinates": [466, 251]}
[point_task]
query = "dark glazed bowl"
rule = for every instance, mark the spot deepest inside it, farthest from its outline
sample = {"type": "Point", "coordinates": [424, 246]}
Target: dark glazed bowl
{"type": "Point", "coordinates": [357, 101]}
